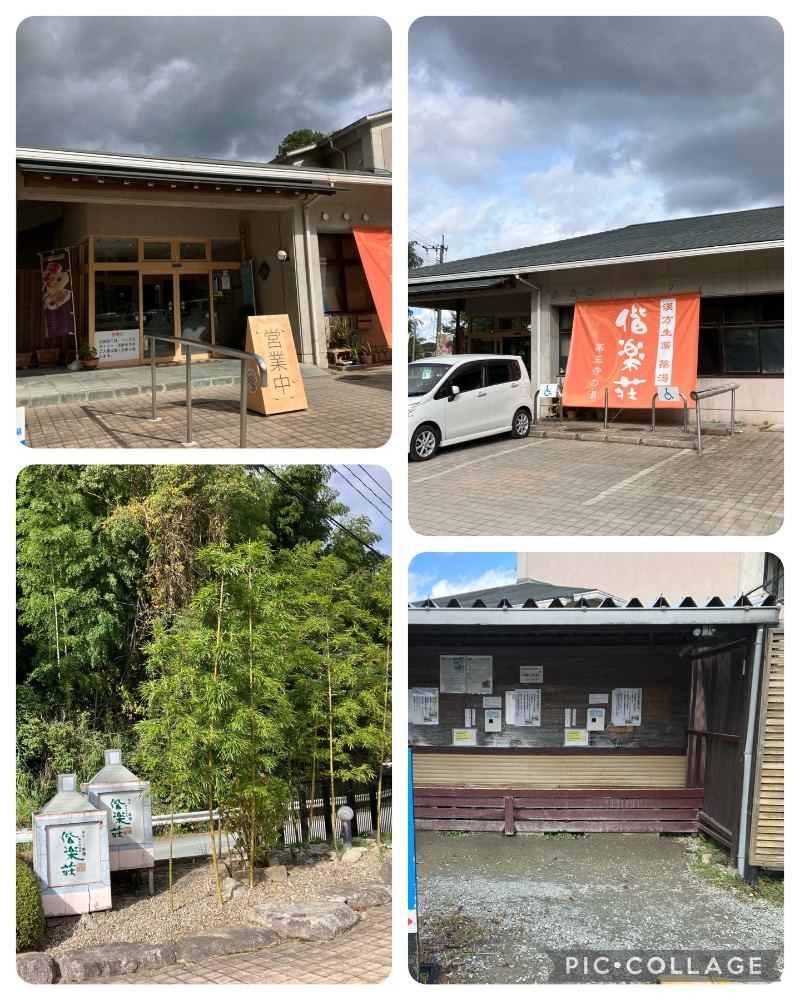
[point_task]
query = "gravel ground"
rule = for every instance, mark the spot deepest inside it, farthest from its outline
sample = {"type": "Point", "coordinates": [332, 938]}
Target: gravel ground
{"type": "Point", "coordinates": [140, 917]}
{"type": "Point", "coordinates": [498, 906]}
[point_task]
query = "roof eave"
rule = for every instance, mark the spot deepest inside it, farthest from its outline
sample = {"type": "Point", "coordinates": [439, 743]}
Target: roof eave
{"type": "Point", "coordinates": [592, 617]}
{"type": "Point", "coordinates": [513, 272]}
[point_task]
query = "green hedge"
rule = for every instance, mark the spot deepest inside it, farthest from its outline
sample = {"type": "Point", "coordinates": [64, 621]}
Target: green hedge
{"type": "Point", "coordinates": [30, 914]}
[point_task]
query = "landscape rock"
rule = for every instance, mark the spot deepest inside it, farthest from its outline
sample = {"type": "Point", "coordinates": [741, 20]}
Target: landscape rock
{"type": "Point", "coordinates": [229, 939]}
{"type": "Point", "coordinates": [113, 960]}
{"type": "Point", "coordinates": [352, 855]}
{"type": "Point", "coordinates": [277, 873]}
{"type": "Point", "coordinates": [314, 921]}
{"type": "Point", "coordinates": [36, 967]}
{"type": "Point", "coordinates": [361, 895]}
{"type": "Point", "coordinates": [386, 871]}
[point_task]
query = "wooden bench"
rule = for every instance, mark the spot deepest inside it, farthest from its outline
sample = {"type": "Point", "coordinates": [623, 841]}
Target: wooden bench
{"type": "Point", "coordinates": [554, 810]}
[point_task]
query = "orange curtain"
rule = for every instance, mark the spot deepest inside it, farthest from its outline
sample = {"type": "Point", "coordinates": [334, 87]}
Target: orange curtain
{"type": "Point", "coordinates": [375, 248]}
{"type": "Point", "coordinates": [631, 347]}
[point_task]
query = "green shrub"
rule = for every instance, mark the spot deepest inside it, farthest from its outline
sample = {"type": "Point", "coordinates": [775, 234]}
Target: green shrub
{"type": "Point", "coordinates": [30, 914]}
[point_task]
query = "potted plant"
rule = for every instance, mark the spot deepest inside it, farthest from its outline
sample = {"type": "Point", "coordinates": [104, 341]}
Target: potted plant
{"type": "Point", "coordinates": [87, 355]}
{"type": "Point", "coordinates": [341, 332]}
{"type": "Point", "coordinates": [365, 352]}
{"type": "Point", "coordinates": [355, 347]}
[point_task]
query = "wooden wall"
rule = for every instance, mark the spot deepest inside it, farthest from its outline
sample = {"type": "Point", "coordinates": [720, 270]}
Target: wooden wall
{"type": "Point", "coordinates": [767, 830]}
{"type": "Point", "coordinates": [571, 673]}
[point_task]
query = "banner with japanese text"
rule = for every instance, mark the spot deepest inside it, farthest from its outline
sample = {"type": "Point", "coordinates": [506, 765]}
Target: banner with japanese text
{"type": "Point", "coordinates": [375, 250]}
{"type": "Point", "coordinates": [271, 337]}
{"type": "Point", "coordinates": [59, 311]}
{"type": "Point", "coordinates": [632, 347]}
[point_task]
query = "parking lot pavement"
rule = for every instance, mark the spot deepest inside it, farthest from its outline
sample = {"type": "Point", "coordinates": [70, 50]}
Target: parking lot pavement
{"type": "Point", "coordinates": [343, 412]}
{"type": "Point", "coordinates": [362, 954]}
{"type": "Point", "coordinates": [547, 486]}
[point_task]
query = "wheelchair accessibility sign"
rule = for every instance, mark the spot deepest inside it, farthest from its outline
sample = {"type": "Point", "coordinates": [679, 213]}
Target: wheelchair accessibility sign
{"type": "Point", "coordinates": [548, 390]}
{"type": "Point", "coordinates": [669, 393]}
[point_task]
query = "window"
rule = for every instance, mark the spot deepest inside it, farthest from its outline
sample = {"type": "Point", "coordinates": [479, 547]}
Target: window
{"type": "Point", "coordinates": [566, 315]}
{"type": "Point", "coordinates": [741, 335]}
{"type": "Point", "coordinates": [500, 372]}
{"type": "Point", "coordinates": [344, 284]}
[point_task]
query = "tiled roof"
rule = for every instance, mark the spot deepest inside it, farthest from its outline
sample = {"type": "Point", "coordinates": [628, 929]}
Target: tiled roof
{"type": "Point", "coordinates": [729, 229]}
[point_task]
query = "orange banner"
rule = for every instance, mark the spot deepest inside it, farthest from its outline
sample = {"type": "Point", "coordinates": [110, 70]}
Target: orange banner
{"type": "Point", "coordinates": [632, 347]}
{"type": "Point", "coordinates": [375, 248]}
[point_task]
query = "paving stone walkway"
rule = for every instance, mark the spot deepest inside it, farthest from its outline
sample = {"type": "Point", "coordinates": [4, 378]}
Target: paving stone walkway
{"type": "Point", "coordinates": [563, 486]}
{"type": "Point", "coordinates": [345, 411]}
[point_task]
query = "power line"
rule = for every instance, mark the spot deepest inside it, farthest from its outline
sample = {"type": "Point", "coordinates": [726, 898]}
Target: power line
{"type": "Point", "coordinates": [367, 487]}
{"type": "Point", "coordinates": [327, 516]}
{"type": "Point", "coordinates": [383, 488]}
{"type": "Point", "coordinates": [354, 487]}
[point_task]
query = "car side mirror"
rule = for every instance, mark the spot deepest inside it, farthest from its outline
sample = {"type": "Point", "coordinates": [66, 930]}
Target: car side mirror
{"type": "Point", "coordinates": [454, 391]}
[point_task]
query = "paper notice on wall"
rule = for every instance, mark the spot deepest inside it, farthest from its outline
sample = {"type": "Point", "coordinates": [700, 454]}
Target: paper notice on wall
{"type": "Point", "coordinates": [531, 675]}
{"type": "Point", "coordinates": [479, 675]}
{"type": "Point", "coordinates": [598, 699]}
{"type": "Point", "coordinates": [453, 674]}
{"type": "Point", "coordinates": [528, 707]}
{"type": "Point", "coordinates": [423, 706]}
{"type": "Point", "coordinates": [576, 738]}
{"type": "Point", "coordinates": [465, 737]}
{"type": "Point", "coordinates": [626, 707]}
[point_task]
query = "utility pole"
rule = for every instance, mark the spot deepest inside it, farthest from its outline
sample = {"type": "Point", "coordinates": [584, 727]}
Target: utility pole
{"type": "Point", "coordinates": [440, 250]}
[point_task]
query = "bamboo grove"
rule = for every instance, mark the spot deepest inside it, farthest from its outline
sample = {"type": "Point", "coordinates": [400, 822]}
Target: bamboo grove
{"type": "Point", "coordinates": [211, 621]}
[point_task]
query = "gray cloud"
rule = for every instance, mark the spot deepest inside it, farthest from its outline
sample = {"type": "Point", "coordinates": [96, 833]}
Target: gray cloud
{"type": "Point", "coordinates": [691, 106]}
{"type": "Point", "coordinates": [229, 87]}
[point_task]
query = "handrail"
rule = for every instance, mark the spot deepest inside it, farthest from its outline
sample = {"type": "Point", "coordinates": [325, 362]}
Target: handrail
{"type": "Point", "coordinates": [685, 412]}
{"type": "Point", "coordinates": [698, 394]}
{"type": "Point", "coordinates": [228, 352]}
{"type": "Point", "coordinates": [556, 398]}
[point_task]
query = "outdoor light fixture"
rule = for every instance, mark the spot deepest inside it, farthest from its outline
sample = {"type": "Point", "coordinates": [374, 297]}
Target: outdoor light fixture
{"type": "Point", "coordinates": [346, 216]}
{"type": "Point", "coordinates": [325, 216]}
{"type": "Point", "coordinates": [282, 256]}
{"type": "Point", "coordinates": [365, 217]}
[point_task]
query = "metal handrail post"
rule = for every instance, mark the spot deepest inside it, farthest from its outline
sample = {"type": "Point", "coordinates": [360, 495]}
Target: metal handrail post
{"type": "Point", "coordinates": [243, 407]}
{"type": "Point", "coordinates": [697, 421]}
{"type": "Point", "coordinates": [685, 413]}
{"type": "Point", "coordinates": [605, 411]}
{"type": "Point", "coordinates": [561, 410]}
{"type": "Point", "coordinates": [189, 443]}
{"type": "Point", "coordinates": [733, 409]}
{"type": "Point", "coordinates": [155, 417]}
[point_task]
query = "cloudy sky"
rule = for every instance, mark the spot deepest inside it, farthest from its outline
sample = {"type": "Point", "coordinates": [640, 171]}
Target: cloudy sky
{"type": "Point", "coordinates": [438, 574]}
{"type": "Point", "coordinates": [527, 130]}
{"type": "Point", "coordinates": [214, 87]}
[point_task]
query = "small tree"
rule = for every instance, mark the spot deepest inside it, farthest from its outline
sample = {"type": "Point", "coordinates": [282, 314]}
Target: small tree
{"type": "Point", "coordinates": [299, 138]}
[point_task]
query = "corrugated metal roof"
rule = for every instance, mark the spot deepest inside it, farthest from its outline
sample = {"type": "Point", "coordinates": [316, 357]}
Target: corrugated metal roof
{"type": "Point", "coordinates": [648, 239]}
{"type": "Point", "coordinates": [514, 596]}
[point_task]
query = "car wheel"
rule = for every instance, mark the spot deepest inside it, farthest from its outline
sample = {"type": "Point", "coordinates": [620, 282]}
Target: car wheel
{"type": "Point", "coordinates": [521, 424]}
{"type": "Point", "coordinates": [425, 443]}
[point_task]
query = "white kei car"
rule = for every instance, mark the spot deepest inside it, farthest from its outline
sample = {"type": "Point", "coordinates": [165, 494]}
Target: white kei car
{"type": "Point", "coordinates": [461, 397]}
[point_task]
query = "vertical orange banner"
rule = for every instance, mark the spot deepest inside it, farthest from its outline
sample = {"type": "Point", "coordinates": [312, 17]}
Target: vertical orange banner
{"type": "Point", "coordinates": [375, 249]}
{"type": "Point", "coordinates": [632, 347]}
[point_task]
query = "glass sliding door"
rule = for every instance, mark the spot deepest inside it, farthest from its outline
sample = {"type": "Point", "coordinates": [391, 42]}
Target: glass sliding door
{"type": "Point", "coordinates": [158, 298]}
{"type": "Point", "coordinates": [194, 310]}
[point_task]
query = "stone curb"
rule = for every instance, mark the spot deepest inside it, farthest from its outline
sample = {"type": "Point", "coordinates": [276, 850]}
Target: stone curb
{"type": "Point", "coordinates": [272, 923]}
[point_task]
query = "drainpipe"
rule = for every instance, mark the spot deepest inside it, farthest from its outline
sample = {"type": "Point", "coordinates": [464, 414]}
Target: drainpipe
{"type": "Point", "coordinates": [312, 305]}
{"type": "Point", "coordinates": [340, 152]}
{"type": "Point", "coordinates": [538, 291]}
{"type": "Point", "coordinates": [755, 683]}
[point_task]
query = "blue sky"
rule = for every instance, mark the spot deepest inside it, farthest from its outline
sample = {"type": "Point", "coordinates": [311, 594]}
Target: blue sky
{"type": "Point", "coordinates": [364, 489]}
{"type": "Point", "coordinates": [437, 574]}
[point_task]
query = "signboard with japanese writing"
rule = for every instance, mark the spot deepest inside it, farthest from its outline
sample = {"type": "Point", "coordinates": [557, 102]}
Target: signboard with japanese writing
{"type": "Point", "coordinates": [117, 345]}
{"type": "Point", "coordinates": [125, 817]}
{"type": "Point", "coordinates": [73, 854]}
{"type": "Point", "coordinates": [453, 674]}
{"type": "Point", "coordinates": [632, 347]}
{"type": "Point", "coordinates": [271, 337]}
{"type": "Point", "coordinates": [528, 707]}
{"type": "Point", "coordinates": [479, 675]}
{"type": "Point", "coordinates": [465, 737]}
{"type": "Point", "coordinates": [57, 301]}
{"type": "Point", "coordinates": [576, 738]}
{"type": "Point", "coordinates": [531, 675]}
{"type": "Point", "coordinates": [626, 707]}
{"type": "Point", "coordinates": [423, 706]}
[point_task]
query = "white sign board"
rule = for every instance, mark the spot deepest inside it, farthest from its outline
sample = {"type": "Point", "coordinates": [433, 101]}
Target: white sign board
{"type": "Point", "coordinates": [528, 707]}
{"type": "Point", "coordinates": [73, 854]}
{"type": "Point", "coordinates": [669, 393]}
{"type": "Point", "coordinates": [453, 674]}
{"type": "Point", "coordinates": [598, 699]}
{"type": "Point", "coordinates": [531, 675]}
{"type": "Point", "coordinates": [548, 390]}
{"type": "Point", "coordinates": [423, 706]}
{"type": "Point", "coordinates": [493, 701]}
{"type": "Point", "coordinates": [479, 675]}
{"type": "Point", "coordinates": [125, 817]}
{"type": "Point", "coordinates": [595, 719]}
{"type": "Point", "coordinates": [465, 737]}
{"type": "Point", "coordinates": [576, 738]}
{"type": "Point", "coordinates": [626, 707]}
{"type": "Point", "coordinates": [117, 345]}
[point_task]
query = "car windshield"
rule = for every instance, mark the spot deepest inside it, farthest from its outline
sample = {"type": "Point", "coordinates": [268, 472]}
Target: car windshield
{"type": "Point", "coordinates": [424, 375]}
